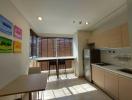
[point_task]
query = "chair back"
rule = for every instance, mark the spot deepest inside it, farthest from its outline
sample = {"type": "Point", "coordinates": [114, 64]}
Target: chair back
{"type": "Point", "coordinates": [52, 62]}
{"type": "Point", "coordinates": [61, 61]}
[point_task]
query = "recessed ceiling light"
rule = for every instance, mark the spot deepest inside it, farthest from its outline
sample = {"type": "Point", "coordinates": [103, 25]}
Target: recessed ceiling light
{"type": "Point", "coordinates": [74, 21]}
{"type": "Point", "coordinates": [80, 22]}
{"type": "Point", "coordinates": [87, 23]}
{"type": "Point", "coordinates": [40, 18]}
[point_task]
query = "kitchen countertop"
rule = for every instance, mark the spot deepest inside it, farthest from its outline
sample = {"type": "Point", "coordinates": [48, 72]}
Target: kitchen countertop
{"type": "Point", "coordinates": [115, 69]}
{"type": "Point", "coordinates": [53, 58]}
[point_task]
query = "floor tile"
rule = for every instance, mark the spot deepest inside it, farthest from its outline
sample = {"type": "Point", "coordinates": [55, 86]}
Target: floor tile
{"type": "Point", "coordinates": [71, 88]}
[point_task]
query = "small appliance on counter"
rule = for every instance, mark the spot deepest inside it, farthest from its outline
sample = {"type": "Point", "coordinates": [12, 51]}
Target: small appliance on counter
{"type": "Point", "coordinates": [90, 56]}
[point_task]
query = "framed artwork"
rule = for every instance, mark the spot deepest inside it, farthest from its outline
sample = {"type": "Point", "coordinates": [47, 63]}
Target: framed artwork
{"type": "Point", "coordinates": [6, 45]}
{"type": "Point", "coordinates": [17, 47]}
{"type": "Point", "coordinates": [17, 32]}
{"type": "Point", "coordinates": [5, 25]}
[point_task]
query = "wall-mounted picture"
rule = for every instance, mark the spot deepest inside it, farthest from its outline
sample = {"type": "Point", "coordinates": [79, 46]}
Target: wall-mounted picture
{"type": "Point", "coordinates": [17, 32]}
{"type": "Point", "coordinates": [5, 25]}
{"type": "Point", "coordinates": [17, 47]}
{"type": "Point", "coordinates": [6, 45]}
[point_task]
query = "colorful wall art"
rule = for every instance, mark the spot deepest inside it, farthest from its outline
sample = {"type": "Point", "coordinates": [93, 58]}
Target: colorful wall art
{"type": "Point", "coordinates": [6, 45]}
{"type": "Point", "coordinates": [17, 32]}
{"type": "Point", "coordinates": [17, 47]}
{"type": "Point", "coordinates": [5, 25]}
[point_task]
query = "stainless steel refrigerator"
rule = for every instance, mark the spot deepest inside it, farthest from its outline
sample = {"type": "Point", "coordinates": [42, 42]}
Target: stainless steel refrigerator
{"type": "Point", "coordinates": [90, 56]}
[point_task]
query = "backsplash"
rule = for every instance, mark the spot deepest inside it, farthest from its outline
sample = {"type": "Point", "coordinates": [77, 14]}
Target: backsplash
{"type": "Point", "coordinates": [119, 57]}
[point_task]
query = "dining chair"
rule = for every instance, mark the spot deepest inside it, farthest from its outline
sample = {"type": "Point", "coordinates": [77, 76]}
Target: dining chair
{"type": "Point", "coordinates": [62, 62]}
{"type": "Point", "coordinates": [52, 63]}
{"type": "Point", "coordinates": [35, 70]}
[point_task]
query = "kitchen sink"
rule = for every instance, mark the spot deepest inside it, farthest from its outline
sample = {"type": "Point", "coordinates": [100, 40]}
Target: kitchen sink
{"type": "Point", "coordinates": [126, 70]}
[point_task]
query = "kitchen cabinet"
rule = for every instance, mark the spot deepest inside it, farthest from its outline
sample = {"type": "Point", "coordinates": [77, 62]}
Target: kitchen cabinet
{"type": "Point", "coordinates": [99, 39]}
{"type": "Point", "coordinates": [125, 35]}
{"type": "Point", "coordinates": [117, 86]}
{"type": "Point", "coordinates": [94, 73]}
{"type": "Point", "coordinates": [98, 76]}
{"type": "Point", "coordinates": [125, 88]}
{"type": "Point", "coordinates": [111, 84]}
{"type": "Point", "coordinates": [116, 37]}
{"type": "Point", "coordinates": [106, 80]}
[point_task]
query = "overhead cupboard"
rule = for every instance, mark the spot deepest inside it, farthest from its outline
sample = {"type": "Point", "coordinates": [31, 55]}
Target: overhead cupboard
{"type": "Point", "coordinates": [116, 37]}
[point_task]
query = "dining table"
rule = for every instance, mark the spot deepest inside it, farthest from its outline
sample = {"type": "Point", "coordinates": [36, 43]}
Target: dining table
{"type": "Point", "coordinates": [25, 84]}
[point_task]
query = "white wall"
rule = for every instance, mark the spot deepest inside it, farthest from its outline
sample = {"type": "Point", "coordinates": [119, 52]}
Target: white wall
{"type": "Point", "coordinates": [75, 54]}
{"type": "Point", "coordinates": [80, 42]}
{"type": "Point", "coordinates": [114, 58]}
{"type": "Point", "coordinates": [13, 65]}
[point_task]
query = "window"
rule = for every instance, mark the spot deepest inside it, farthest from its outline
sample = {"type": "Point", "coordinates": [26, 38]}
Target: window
{"type": "Point", "coordinates": [55, 47]}
{"type": "Point", "coordinates": [64, 47]}
{"type": "Point", "coordinates": [50, 47]}
{"type": "Point", "coordinates": [33, 43]}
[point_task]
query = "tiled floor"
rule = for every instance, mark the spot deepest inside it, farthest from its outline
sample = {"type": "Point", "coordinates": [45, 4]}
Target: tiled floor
{"type": "Point", "coordinates": [71, 88]}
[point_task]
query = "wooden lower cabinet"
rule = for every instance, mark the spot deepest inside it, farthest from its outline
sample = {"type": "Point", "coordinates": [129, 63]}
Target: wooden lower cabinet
{"type": "Point", "coordinates": [125, 88]}
{"type": "Point", "coordinates": [111, 84]}
{"type": "Point", "coordinates": [115, 85]}
{"type": "Point", "coordinates": [98, 76]}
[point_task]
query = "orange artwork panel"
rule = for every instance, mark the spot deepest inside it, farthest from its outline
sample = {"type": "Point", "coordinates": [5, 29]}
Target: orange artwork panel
{"type": "Point", "coordinates": [17, 47]}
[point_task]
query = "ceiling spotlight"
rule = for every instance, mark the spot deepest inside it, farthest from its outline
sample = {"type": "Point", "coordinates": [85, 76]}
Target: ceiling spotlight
{"type": "Point", "coordinates": [74, 21]}
{"type": "Point", "coordinates": [80, 22]}
{"type": "Point", "coordinates": [40, 18]}
{"type": "Point", "coordinates": [87, 23]}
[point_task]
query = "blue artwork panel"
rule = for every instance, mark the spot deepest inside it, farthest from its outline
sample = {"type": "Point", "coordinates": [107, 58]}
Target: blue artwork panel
{"type": "Point", "coordinates": [5, 25]}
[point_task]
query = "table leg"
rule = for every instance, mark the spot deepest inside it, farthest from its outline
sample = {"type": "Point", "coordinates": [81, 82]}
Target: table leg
{"type": "Point", "coordinates": [30, 95]}
{"type": "Point", "coordinates": [57, 70]}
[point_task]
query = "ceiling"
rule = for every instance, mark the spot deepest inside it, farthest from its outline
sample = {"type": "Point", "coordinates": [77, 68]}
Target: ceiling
{"type": "Point", "coordinates": [58, 15]}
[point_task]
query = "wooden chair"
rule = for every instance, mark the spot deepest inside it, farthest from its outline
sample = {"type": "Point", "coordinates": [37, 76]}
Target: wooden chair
{"type": "Point", "coordinates": [52, 63]}
{"type": "Point", "coordinates": [62, 62]}
{"type": "Point", "coordinates": [34, 70]}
